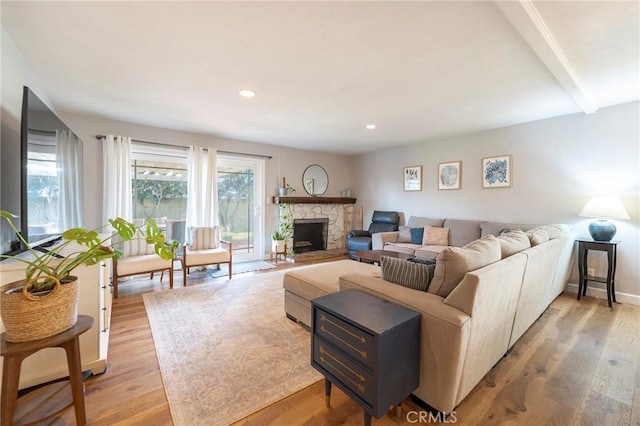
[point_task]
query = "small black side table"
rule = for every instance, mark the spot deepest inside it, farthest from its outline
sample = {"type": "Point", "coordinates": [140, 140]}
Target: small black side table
{"type": "Point", "coordinates": [610, 247]}
{"type": "Point", "coordinates": [368, 347]}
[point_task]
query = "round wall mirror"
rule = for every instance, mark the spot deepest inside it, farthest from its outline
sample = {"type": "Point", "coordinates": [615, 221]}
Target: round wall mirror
{"type": "Point", "coordinates": [315, 180]}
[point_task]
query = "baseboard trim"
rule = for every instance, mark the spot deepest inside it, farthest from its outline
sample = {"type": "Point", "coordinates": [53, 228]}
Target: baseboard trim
{"type": "Point", "coordinates": [601, 293]}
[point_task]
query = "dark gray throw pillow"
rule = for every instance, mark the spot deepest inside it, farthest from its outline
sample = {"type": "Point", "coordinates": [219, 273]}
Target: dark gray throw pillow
{"type": "Point", "coordinates": [408, 274]}
{"type": "Point", "coordinates": [430, 261]}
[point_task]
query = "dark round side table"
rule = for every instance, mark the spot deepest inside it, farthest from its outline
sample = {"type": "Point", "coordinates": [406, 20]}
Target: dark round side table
{"type": "Point", "coordinates": [15, 353]}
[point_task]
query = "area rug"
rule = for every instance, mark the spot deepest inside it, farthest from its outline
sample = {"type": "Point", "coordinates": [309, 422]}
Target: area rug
{"type": "Point", "coordinates": [238, 268]}
{"type": "Point", "coordinates": [226, 349]}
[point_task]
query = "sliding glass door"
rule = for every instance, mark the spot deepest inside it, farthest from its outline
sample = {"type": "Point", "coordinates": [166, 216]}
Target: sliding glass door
{"type": "Point", "coordinates": [240, 205]}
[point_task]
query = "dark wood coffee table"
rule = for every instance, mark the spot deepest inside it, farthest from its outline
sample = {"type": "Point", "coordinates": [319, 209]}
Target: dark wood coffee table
{"type": "Point", "coordinates": [373, 256]}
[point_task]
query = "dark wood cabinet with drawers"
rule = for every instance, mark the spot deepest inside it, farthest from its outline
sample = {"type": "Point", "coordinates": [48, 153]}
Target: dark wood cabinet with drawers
{"type": "Point", "coordinates": [366, 346]}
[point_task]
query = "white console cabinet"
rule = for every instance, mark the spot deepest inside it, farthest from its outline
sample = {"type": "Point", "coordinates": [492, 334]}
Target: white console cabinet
{"type": "Point", "coordinates": [95, 300]}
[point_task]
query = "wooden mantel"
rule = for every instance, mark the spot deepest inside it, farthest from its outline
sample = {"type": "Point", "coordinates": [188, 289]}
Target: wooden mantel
{"type": "Point", "coordinates": [314, 200]}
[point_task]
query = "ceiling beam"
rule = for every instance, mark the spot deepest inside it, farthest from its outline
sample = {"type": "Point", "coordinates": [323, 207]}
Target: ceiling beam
{"type": "Point", "coordinates": [526, 19]}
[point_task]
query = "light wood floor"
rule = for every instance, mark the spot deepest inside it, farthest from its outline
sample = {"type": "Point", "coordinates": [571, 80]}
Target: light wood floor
{"type": "Point", "coordinates": [579, 364]}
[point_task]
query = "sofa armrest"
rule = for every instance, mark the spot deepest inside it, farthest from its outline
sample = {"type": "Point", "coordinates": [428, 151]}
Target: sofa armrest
{"type": "Point", "coordinates": [489, 296]}
{"type": "Point", "coordinates": [379, 239]}
{"type": "Point", "coordinates": [444, 337]}
{"type": "Point", "coordinates": [358, 233]}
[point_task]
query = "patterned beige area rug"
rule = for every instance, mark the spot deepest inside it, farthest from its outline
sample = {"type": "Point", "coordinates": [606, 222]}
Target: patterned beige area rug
{"type": "Point", "coordinates": [226, 349]}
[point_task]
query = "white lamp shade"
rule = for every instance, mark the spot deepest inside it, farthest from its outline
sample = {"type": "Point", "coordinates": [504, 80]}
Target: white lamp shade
{"type": "Point", "coordinates": [605, 207]}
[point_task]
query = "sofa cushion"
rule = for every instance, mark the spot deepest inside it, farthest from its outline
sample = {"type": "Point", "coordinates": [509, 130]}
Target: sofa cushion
{"type": "Point", "coordinates": [404, 234]}
{"type": "Point", "coordinates": [434, 236]}
{"type": "Point", "coordinates": [513, 242]}
{"type": "Point", "coordinates": [538, 236]}
{"type": "Point", "coordinates": [498, 228]}
{"type": "Point", "coordinates": [454, 262]}
{"type": "Point", "coordinates": [417, 234]}
{"type": "Point", "coordinates": [462, 231]}
{"type": "Point", "coordinates": [428, 252]}
{"type": "Point", "coordinates": [407, 248]}
{"type": "Point", "coordinates": [421, 222]}
{"type": "Point", "coordinates": [408, 274]}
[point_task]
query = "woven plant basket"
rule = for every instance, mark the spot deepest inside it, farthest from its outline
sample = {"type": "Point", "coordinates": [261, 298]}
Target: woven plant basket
{"type": "Point", "coordinates": [28, 317]}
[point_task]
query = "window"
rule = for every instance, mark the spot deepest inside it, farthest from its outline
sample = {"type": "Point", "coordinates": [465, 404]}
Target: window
{"type": "Point", "coordinates": [158, 182]}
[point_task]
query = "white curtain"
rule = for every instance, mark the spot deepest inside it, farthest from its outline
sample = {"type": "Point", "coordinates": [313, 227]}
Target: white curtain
{"type": "Point", "coordinates": [117, 178]}
{"type": "Point", "coordinates": [202, 204]}
{"type": "Point", "coordinates": [70, 178]}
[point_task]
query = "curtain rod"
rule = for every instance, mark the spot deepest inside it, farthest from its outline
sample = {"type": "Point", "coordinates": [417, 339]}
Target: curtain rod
{"type": "Point", "coordinates": [269, 157]}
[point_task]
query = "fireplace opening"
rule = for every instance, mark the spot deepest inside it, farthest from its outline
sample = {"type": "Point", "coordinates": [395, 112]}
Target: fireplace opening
{"type": "Point", "coordinates": [310, 234]}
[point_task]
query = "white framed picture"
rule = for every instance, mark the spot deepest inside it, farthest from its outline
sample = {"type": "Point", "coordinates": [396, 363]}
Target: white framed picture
{"type": "Point", "coordinates": [496, 172]}
{"type": "Point", "coordinates": [450, 175]}
{"type": "Point", "coordinates": [412, 178]}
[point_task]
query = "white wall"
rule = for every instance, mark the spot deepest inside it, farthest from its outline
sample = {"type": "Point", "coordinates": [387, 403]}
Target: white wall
{"type": "Point", "coordinates": [558, 164]}
{"type": "Point", "coordinates": [286, 162]}
{"type": "Point", "coordinates": [16, 73]}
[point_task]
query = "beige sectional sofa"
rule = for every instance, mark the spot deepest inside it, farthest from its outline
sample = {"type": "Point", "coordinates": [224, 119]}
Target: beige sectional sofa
{"type": "Point", "coordinates": [461, 232]}
{"type": "Point", "coordinates": [466, 331]}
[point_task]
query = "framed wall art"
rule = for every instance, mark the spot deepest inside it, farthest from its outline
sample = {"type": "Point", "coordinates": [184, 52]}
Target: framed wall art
{"type": "Point", "coordinates": [450, 175]}
{"type": "Point", "coordinates": [413, 178]}
{"type": "Point", "coordinates": [496, 172]}
{"type": "Point", "coordinates": [309, 186]}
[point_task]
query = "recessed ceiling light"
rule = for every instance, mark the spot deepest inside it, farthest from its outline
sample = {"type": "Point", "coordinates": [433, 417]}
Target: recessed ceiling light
{"type": "Point", "coordinates": [247, 93]}
{"type": "Point", "coordinates": [370, 126]}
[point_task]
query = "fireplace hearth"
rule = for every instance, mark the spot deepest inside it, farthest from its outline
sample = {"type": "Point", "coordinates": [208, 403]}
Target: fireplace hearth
{"type": "Point", "coordinates": [310, 234]}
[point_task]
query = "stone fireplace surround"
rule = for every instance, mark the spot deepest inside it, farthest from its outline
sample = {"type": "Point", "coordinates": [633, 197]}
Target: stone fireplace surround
{"type": "Point", "coordinates": [332, 208]}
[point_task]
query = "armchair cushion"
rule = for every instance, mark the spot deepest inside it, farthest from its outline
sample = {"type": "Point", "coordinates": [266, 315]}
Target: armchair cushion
{"type": "Point", "coordinates": [139, 264]}
{"type": "Point", "coordinates": [358, 233]}
{"type": "Point", "coordinates": [384, 222]}
{"type": "Point", "coordinates": [204, 237]}
{"type": "Point", "coordinates": [204, 256]}
{"type": "Point", "coordinates": [355, 244]}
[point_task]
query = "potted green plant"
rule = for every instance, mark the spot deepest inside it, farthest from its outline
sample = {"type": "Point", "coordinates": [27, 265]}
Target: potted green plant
{"type": "Point", "coordinates": [45, 302]}
{"type": "Point", "coordinates": [277, 242]}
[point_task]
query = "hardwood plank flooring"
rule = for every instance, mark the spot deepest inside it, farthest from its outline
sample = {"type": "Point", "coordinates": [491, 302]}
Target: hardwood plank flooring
{"type": "Point", "coordinates": [579, 364]}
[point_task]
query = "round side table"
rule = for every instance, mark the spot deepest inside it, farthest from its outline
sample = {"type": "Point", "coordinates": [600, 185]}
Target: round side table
{"type": "Point", "coordinates": [15, 353]}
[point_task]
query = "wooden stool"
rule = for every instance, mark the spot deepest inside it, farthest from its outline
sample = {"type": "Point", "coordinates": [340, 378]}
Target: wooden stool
{"type": "Point", "coordinates": [15, 353]}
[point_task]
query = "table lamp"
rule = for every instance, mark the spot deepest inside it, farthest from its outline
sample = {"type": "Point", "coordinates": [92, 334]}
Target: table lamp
{"type": "Point", "coordinates": [603, 208]}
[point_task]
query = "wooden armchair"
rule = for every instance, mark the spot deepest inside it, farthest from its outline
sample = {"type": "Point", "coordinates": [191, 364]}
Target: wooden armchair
{"type": "Point", "coordinates": [138, 257]}
{"type": "Point", "coordinates": [204, 247]}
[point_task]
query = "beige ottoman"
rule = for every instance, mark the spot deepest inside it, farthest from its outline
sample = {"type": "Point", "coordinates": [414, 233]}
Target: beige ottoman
{"type": "Point", "coordinates": [305, 283]}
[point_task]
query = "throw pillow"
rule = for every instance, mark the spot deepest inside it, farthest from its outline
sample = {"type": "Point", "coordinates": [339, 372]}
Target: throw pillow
{"type": "Point", "coordinates": [408, 274]}
{"type": "Point", "coordinates": [202, 238]}
{"type": "Point", "coordinates": [430, 261]}
{"type": "Point", "coordinates": [513, 242]}
{"type": "Point", "coordinates": [434, 236]}
{"type": "Point", "coordinates": [137, 246]}
{"type": "Point", "coordinates": [538, 236]}
{"type": "Point", "coordinates": [404, 234]}
{"type": "Point", "coordinates": [454, 262]}
{"type": "Point", "coordinates": [417, 235]}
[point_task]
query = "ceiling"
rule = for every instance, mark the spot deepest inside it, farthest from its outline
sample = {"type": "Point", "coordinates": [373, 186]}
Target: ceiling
{"type": "Point", "coordinates": [323, 70]}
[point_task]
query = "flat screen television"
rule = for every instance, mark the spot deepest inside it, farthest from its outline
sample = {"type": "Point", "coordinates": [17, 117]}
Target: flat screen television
{"type": "Point", "coordinates": [51, 158]}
